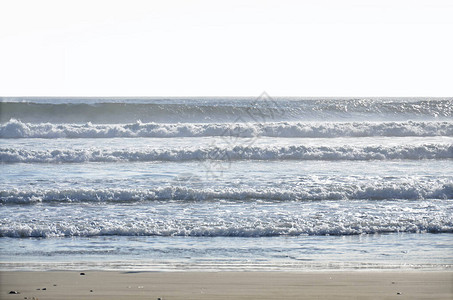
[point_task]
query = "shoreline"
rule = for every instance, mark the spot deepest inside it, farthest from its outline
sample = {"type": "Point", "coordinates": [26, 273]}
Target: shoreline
{"type": "Point", "coordinates": [397, 284]}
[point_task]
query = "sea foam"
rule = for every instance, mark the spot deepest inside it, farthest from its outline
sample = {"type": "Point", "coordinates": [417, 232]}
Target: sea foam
{"type": "Point", "coordinates": [439, 189]}
{"type": "Point", "coordinates": [17, 129]}
{"type": "Point", "coordinates": [429, 151]}
{"type": "Point", "coordinates": [250, 219]}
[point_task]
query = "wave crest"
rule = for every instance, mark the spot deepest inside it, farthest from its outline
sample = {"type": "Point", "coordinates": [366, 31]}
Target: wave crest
{"type": "Point", "coordinates": [221, 109]}
{"type": "Point", "coordinates": [442, 189]}
{"type": "Point", "coordinates": [413, 152]}
{"type": "Point", "coordinates": [17, 129]}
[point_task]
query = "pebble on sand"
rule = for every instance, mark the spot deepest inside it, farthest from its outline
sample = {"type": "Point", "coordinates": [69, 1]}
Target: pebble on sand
{"type": "Point", "coordinates": [82, 273]}
{"type": "Point", "coordinates": [14, 292]}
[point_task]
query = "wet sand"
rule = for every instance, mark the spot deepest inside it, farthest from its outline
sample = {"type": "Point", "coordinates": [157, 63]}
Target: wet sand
{"type": "Point", "coordinates": [227, 285]}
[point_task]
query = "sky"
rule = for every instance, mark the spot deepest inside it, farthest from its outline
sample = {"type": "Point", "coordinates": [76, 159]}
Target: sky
{"type": "Point", "coordinates": [309, 48]}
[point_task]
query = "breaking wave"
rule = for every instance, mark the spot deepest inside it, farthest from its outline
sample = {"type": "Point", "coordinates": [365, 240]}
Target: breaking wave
{"type": "Point", "coordinates": [263, 109]}
{"type": "Point", "coordinates": [441, 189]}
{"type": "Point", "coordinates": [18, 129]}
{"type": "Point", "coordinates": [412, 152]}
{"type": "Point", "coordinates": [251, 219]}
{"type": "Point", "coordinates": [311, 227]}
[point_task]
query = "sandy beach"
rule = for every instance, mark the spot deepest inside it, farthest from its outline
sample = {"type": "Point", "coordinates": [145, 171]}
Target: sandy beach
{"type": "Point", "coordinates": [227, 285]}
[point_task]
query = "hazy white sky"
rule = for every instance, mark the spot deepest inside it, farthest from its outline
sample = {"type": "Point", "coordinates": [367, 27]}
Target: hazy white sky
{"type": "Point", "coordinates": [226, 48]}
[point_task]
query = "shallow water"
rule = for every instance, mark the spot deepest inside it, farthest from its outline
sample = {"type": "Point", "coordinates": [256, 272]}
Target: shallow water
{"type": "Point", "coordinates": [295, 253]}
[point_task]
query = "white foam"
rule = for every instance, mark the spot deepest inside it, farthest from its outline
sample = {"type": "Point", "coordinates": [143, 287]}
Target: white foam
{"type": "Point", "coordinates": [375, 152]}
{"type": "Point", "coordinates": [226, 219]}
{"type": "Point", "coordinates": [438, 189]}
{"type": "Point", "coordinates": [17, 129]}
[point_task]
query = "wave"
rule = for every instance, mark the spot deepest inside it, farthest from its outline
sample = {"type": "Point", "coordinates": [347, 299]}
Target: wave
{"type": "Point", "coordinates": [17, 129]}
{"type": "Point", "coordinates": [412, 152]}
{"type": "Point", "coordinates": [261, 110]}
{"type": "Point", "coordinates": [440, 189]}
{"type": "Point", "coordinates": [247, 230]}
{"type": "Point", "coordinates": [249, 220]}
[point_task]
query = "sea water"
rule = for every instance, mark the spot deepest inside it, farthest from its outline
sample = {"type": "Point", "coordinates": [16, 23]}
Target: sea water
{"type": "Point", "coordinates": [226, 183]}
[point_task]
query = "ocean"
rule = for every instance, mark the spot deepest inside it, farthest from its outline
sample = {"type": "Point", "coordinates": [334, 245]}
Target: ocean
{"type": "Point", "coordinates": [212, 183]}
